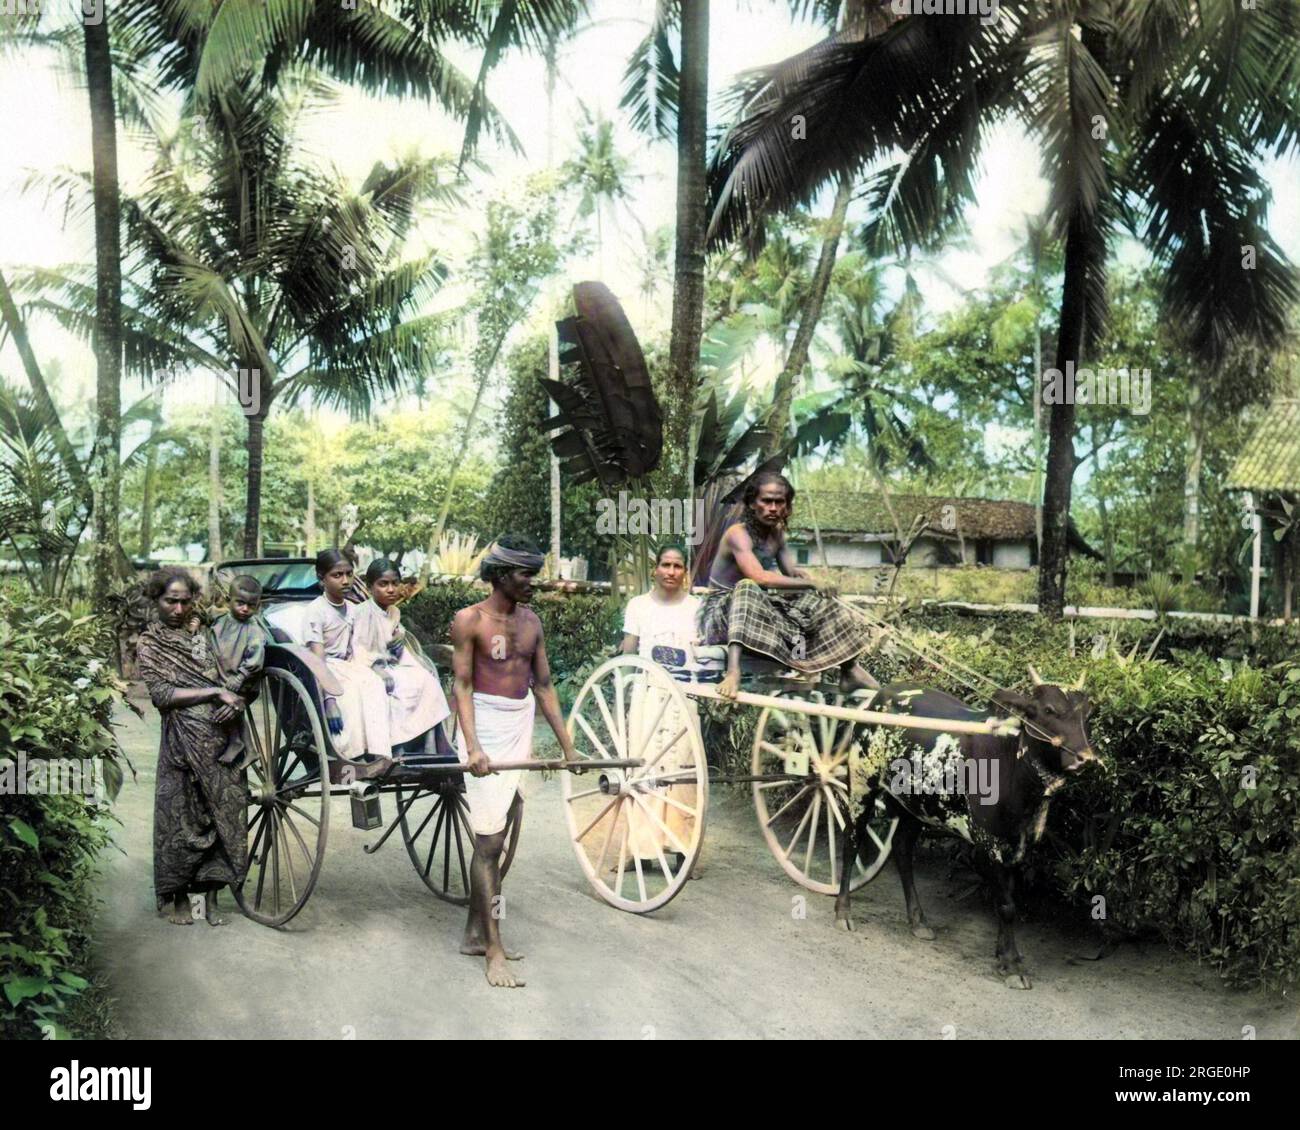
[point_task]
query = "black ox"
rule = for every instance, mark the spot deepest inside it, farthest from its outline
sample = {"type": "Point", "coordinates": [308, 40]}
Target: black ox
{"type": "Point", "coordinates": [1026, 769]}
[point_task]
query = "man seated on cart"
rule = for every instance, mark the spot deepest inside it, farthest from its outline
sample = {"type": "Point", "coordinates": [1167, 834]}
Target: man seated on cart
{"type": "Point", "coordinates": [759, 601]}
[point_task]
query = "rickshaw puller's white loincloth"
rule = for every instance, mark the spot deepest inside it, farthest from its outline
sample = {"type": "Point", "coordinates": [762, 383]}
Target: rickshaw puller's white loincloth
{"type": "Point", "coordinates": [505, 733]}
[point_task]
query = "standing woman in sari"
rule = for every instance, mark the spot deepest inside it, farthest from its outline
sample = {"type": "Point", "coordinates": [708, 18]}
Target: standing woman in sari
{"type": "Point", "coordinates": [200, 825]}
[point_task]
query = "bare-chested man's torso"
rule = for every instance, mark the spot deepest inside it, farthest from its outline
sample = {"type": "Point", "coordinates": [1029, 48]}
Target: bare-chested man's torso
{"type": "Point", "coordinates": [504, 646]}
{"type": "Point", "coordinates": [726, 574]}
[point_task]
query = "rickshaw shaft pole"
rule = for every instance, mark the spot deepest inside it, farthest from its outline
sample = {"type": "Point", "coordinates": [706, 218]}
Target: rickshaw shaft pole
{"type": "Point", "coordinates": [451, 770]}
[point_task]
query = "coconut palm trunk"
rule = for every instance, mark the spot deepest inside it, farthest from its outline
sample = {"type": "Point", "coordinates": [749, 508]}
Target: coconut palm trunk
{"type": "Point", "coordinates": [309, 525]}
{"type": "Point", "coordinates": [214, 479]}
{"type": "Point", "coordinates": [253, 498]}
{"type": "Point", "coordinates": [150, 477]}
{"type": "Point", "coordinates": [1192, 480]}
{"type": "Point", "coordinates": [105, 469]}
{"type": "Point", "coordinates": [1061, 459]}
{"type": "Point", "coordinates": [778, 417]}
{"type": "Point", "coordinates": [688, 277]}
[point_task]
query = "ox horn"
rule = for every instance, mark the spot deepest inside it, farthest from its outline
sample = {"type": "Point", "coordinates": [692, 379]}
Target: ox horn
{"type": "Point", "coordinates": [1033, 674]}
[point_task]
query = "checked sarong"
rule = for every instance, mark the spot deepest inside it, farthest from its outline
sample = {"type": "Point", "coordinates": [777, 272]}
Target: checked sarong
{"type": "Point", "coordinates": [804, 629]}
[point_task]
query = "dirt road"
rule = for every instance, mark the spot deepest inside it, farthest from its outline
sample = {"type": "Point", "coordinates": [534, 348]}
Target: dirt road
{"type": "Point", "coordinates": [373, 955]}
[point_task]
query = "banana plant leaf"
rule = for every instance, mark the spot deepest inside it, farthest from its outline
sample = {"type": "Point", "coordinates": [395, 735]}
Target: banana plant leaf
{"type": "Point", "coordinates": [719, 453]}
{"type": "Point", "coordinates": [609, 424]}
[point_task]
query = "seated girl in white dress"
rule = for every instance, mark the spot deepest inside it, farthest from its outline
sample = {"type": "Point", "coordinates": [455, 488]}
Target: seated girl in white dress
{"type": "Point", "coordinates": [416, 703]}
{"type": "Point", "coordinates": [358, 719]}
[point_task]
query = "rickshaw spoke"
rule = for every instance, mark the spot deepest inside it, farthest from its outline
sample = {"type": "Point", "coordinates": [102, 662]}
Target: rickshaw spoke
{"type": "Point", "coordinates": [622, 860]}
{"type": "Point", "coordinates": [604, 847]}
{"type": "Point", "coordinates": [440, 809]}
{"type": "Point", "coordinates": [679, 805]}
{"type": "Point", "coordinates": [306, 851]}
{"type": "Point", "coordinates": [640, 877]}
{"type": "Point", "coordinates": [460, 847]}
{"type": "Point", "coordinates": [833, 804]}
{"type": "Point", "coordinates": [279, 719]}
{"type": "Point", "coordinates": [781, 811]}
{"type": "Point", "coordinates": [598, 818]}
{"type": "Point", "coordinates": [586, 729]}
{"type": "Point", "coordinates": [261, 815]}
{"type": "Point", "coordinates": [261, 871]}
{"type": "Point", "coordinates": [620, 710]}
{"type": "Point", "coordinates": [446, 854]}
{"type": "Point", "coordinates": [646, 731]}
{"type": "Point", "coordinates": [288, 859]}
{"type": "Point", "coordinates": [830, 836]}
{"type": "Point", "coordinates": [645, 769]}
{"type": "Point", "coordinates": [275, 861]}
{"type": "Point", "coordinates": [609, 721]}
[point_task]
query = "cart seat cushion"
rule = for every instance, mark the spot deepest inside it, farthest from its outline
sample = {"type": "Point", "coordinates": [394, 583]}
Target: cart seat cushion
{"type": "Point", "coordinates": [289, 620]}
{"type": "Point", "coordinates": [714, 658]}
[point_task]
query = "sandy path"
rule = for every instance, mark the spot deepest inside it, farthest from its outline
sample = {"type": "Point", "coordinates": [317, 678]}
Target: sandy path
{"type": "Point", "coordinates": [373, 955]}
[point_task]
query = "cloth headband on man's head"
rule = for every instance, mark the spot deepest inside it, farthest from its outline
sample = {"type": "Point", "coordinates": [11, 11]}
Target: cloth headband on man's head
{"type": "Point", "coordinates": [513, 558]}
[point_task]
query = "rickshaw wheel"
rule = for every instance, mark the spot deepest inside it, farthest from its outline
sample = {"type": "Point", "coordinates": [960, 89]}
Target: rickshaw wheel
{"type": "Point", "coordinates": [289, 801]}
{"type": "Point", "coordinates": [443, 805]}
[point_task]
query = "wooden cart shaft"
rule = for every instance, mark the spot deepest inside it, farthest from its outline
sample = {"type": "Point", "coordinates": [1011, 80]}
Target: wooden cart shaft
{"type": "Point", "coordinates": [998, 726]}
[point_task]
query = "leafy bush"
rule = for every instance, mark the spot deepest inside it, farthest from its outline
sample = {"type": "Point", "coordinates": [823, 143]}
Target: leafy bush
{"type": "Point", "coordinates": [56, 694]}
{"type": "Point", "coordinates": [1195, 831]}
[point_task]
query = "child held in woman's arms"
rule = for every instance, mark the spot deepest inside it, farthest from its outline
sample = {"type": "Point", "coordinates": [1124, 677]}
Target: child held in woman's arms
{"type": "Point", "coordinates": [239, 639]}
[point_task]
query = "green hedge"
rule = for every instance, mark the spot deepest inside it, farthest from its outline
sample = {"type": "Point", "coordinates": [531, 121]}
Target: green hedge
{"type": "Point", "coordinates": [56, 694]}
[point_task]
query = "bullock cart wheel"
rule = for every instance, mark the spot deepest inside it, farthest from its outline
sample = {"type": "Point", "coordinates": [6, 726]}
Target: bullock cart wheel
{"type": "Point", "coordinates": [289, 800]}
{"type": "Point", "coordinates": [804, 816]}
{"type": "Point", "coordinates": [636, 832]}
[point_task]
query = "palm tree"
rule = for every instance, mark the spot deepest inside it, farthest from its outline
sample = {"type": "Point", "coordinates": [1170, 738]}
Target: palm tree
{"type": "Point", "coordinates": [866, 403]}
{"type": "Point", "coordinates": [270, 273]}
{"type": "Point", "coordinates": [111, 77]}
{"type": "Point", "coordinates": [516, 255]}
{"type": "Point", "coordinates": [688, 271]}
{"type": "Point", "coordinates": [207, 47]}
{"type": "Point", "coordinates": [1151, 117]}
{"type": "Point", "coordinates": [105, 469]}
{"type": "Point", "coordinates": [599, 172]}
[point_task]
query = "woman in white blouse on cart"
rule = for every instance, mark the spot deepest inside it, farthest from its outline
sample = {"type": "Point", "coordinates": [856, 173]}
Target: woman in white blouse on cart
{"type": "Point", "coordinates": [664, 619]}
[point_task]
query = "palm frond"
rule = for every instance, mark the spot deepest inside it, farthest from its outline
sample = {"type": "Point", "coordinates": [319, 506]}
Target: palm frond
{"type": "Point", "coordinates": [652, 78]}
{"type": "Point", "coordinates": [832, 110]}
{"type": "Point", "coordinates": [1203, 208]}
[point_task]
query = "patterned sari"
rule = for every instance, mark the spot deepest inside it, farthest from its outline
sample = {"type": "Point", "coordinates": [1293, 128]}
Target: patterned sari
{"type": "Point", "coordinates": [200, 828]}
